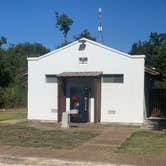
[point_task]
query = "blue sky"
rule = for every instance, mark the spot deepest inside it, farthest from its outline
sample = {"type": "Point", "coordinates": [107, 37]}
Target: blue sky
{"type": "Point", "coordinates": [124, 21]}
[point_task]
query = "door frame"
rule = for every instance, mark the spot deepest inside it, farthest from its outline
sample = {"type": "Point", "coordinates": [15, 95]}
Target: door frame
{"type": "Point", "coordinates": [97, 99]}
{"type": "Point", "coordinates": [62, 98]}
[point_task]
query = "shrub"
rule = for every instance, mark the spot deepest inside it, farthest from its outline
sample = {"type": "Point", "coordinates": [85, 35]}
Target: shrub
{"type": "Point", "coordinates": [12, 96]}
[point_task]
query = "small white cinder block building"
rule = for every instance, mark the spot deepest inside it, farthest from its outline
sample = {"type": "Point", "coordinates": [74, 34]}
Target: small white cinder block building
{"type": "Point", "coordinates": [104, 84]}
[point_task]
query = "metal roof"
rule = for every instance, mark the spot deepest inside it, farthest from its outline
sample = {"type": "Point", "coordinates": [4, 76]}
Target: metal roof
{"type": "Point", "coordinates": [155, 74]}
{"type": "Point", "coordinates": [79, 74]}
{"type": "Point", "coordinates": [151, 71]}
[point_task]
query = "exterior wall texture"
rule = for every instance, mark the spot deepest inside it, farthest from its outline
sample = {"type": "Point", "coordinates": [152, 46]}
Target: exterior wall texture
{"type": "Point", "coordinates": [120, 102]}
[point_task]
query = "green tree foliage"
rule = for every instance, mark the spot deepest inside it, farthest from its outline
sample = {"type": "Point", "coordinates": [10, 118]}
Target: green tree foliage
{"type": "Point", "coordinates": [63, 23]}
{"type": "Point", "coordinates": [13, 64]}
{"type": "Point", "coordinates": [18, 54]}
{"type": "Point", "coordinates": [15, 60]}
{"type": "Point", "coordinates": [85, 34]}
{"type": "Point", "coordinates": [12, 96]}
{"type": "Point", "coordinates": [3, 40]}
{"type": "Point", "coordinates": [154, 49]}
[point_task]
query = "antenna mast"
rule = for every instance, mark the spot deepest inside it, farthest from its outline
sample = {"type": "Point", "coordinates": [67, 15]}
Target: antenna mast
{"type": "Point", "coordinates": [100, 28]}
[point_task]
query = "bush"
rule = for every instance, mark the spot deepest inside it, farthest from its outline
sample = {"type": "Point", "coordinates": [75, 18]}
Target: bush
{"type": "Point", "coordinates": [13, 96]}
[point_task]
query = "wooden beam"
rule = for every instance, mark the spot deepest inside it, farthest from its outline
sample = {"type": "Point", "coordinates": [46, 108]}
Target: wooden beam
{"type": "Point", "coordinates": [97, 99]}
{"type": "Point", "coordinates": [61, 98]}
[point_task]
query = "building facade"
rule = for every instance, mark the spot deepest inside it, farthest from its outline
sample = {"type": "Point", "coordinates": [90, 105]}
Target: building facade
{"type": "Point", "coordinates": [103, 84]}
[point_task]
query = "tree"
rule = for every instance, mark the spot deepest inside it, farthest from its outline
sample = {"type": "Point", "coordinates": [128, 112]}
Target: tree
{"type": "Point", "coordinates": [12, 65]}
{"type": "Point", "coordinates": [3, 40]}
{"type": "Point", "coordinates": [17, 55]}
{"type": "Point", "coordinates": [63, 23]}
{"type": "Point", "coordinates": [154, 49]}
{"type": "Point", "coordinates": [85, 33]}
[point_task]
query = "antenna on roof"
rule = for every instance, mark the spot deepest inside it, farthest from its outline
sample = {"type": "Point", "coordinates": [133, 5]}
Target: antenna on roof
{"type": "Point", "coordinates": [100, 28]}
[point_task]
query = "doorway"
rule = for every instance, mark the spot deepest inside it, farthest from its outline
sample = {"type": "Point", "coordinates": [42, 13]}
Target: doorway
{"type": "Point", "coordinates": [79, 99]}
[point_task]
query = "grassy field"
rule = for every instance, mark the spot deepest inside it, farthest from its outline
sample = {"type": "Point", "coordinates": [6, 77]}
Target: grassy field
{"type": "Point", "coordinates": [145, 142]}
{"type": "Point", "coordinates": [24, 136]}
{"type": "Point", "coordinates": [12, 115]}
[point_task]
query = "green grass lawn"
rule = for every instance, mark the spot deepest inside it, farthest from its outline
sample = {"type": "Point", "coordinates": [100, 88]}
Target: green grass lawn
{"type": "Point", "coordinates": [24, 136]}
{"type": "Point", "coordinates": [12, 115]}
{"type": "Point", "coordinates": [145, 142]}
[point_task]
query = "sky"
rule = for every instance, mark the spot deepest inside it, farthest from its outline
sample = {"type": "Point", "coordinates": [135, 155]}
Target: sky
{"type": "Point", "coordinates": [124, 21]}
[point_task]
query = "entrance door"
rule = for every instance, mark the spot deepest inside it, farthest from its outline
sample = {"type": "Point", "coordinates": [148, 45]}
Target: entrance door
{"type": "Point", "coordinates": [79, 99]}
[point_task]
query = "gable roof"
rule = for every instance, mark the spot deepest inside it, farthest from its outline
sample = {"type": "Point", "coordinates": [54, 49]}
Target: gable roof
{"type": "Point", "coordinates": [88, 41]}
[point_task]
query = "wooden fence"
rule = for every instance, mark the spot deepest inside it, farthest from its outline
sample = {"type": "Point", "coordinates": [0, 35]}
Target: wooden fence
{"type": "Point", "coordinates": [157, 107]}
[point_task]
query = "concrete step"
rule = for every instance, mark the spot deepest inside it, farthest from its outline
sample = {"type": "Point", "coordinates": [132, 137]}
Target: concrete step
{"type": "Point", "coordinates": [154, 123]}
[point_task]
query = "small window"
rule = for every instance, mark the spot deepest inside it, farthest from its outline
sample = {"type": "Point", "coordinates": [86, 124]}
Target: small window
{"type": "Point", "coordinates": [83, 60]}
{"type": "Point", "coordinates": [51, 79]}
{"type": "Point", "coordinates": [113, 78]}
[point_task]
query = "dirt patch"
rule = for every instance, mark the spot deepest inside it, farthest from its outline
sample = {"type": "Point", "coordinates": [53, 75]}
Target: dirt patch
{"type": "Point", "coordinates": [99, 149]}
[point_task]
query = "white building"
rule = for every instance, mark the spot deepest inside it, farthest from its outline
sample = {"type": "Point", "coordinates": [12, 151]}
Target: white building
{"type": "Point", "coordinates": [104, 84]}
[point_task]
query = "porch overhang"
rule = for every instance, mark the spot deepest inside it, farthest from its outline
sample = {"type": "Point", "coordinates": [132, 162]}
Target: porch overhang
{"type": "Point", "coordinates": [155, 74]}
{"type": "Point", "coordinates": [79, 74]}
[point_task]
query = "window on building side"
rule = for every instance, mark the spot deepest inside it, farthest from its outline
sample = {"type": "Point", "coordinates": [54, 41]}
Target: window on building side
{"type": "Point", "coordinates": [51, 79]}
{"type": "Point", "coordinates": [113, 78]}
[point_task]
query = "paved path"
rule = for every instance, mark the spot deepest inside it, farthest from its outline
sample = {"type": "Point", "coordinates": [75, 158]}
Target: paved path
{"type": "Point", "coordinates": [36, 161]}
{"type": "Point", "coordinates": [13, 121]}
{"type": "Point", "coordinates": [102, 148]}
{"type": "Point", "coordinates": [110, 139]}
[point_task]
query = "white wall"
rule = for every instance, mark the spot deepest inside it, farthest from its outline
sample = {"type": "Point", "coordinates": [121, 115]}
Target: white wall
{"type": "Point", "coordinates": [42, 96]}
{"type": "Point", "coordinates": [126, 99]}
{"type": "Point", "coordinates": [123, 102]}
